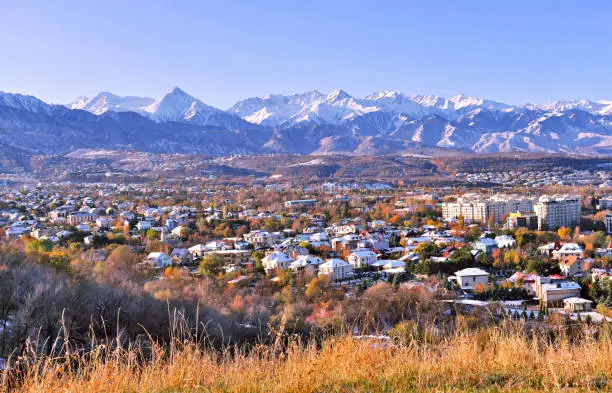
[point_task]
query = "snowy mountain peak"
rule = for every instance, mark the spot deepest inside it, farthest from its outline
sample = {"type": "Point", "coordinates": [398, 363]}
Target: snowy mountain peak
{"type": "Point", "coordinates": [105, 101]}
{"type": "Point", "coordinates": [337, 95]}
{"type": "Point", "coordinates": [177, 91]}
{"type": "Point", "coordinates": [309, 122]}
{"type": "Point", "coordinates": [385, 94]}
{"type": "Point", "coordinates": [177, 105]}
{"type": "Point", "coordinates": [20, 101]}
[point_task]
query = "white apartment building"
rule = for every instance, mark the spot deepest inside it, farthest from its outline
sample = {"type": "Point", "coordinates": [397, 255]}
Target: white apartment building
{"type": "Point", "coordinates": [609, 223]}
{"type": "Point", "coordinates": [555, 211]}
{"type": "Point", "coordinates": [605, 203]}
{"type": "Point", "coordinates": [479, 208]}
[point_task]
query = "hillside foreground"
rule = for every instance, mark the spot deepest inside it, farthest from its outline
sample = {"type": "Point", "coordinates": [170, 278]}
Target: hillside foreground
{"type": "Point", "coordinates": [501, 359]}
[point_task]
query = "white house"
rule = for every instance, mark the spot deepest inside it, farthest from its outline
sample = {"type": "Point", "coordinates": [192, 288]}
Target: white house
{"type": "Point", "coordinates": [394, 266]}
{"type": "Point", "coordinates": [276, 260]}
{"type": "Point", "coordinates": [308, 263]}
{"type": "Point", "coordinates": [505, 241]}
{"type": "Point", "coordinates": [568, 249]}
{"type": "Point", "coordinates": [158, 260]}
{"type": "Point", "coordinates": [143, 225]}
{"type": "Point", "coordinates": [468, 278]}
{"type": "Point", "coordinates": [337, 269]}
{"type": "Point", "coordinates": [359, 258]}
{"type": "Point", "coordinates": [198, 250]}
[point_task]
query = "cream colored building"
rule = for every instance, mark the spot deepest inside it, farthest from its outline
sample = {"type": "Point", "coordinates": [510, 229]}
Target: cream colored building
{"type": "Point", "coordinates": [337, 269]}
{"type": "Point", "coordinates": [479, 208]}
{"type": "Point", "coordinates": [555, 211]}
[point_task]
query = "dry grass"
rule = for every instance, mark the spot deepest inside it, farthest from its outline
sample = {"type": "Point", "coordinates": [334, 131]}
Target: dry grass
{"type": "Point", "coordinates": [486, 360]}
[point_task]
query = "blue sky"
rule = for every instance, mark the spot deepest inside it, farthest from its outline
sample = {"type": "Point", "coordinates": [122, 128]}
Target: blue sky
{"type": "Point", "coordinates": [222, 51]}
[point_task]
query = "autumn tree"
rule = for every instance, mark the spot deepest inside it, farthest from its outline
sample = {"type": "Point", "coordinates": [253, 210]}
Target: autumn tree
{"type": "Point", "coordinates": [212, 265]}
{"type": "Point", "coordinates": [564, 233]}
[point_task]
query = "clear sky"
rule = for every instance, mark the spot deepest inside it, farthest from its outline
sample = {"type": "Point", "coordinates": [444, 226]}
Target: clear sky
{"type": "Point", "coordinates": [222, 51]}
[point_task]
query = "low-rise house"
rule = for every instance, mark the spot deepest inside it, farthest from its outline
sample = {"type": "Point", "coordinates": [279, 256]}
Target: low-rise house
{"type": "Point", "coordinates": [577, 304]}
{"type": "Point", "coordinates": [468, 278]}
{"type": "Point", "coordinates": [571, 265]}
{"type": "Point", "coordinates": [393, 266]}
{"type": "Point", "coordinates": [552, 292]}
{"type": "Point", "coordinates": [16, 232]}
{"type": "Point", "coordinates": [84, 228]}
{"type": "Point", "coordinates": [143, 225]}
{"type": "Point", "coordinates": [306, 263]}
{"type": "Point", "coordinates": [375, 242]}
{"type": "Point", "coordinates": [568, 249]}
{"type": "Point", "coordinates": [198, 250]}
{"type": "Point", "coordinates": [486, 245]}
{"type": "Point", "coordinates": [181, 256]}
{"type": "Point", "coordinates": [158, 260]}
{"type": "Point", "coordinates": [336, 269]}
{"type": "Point", "coordinates": [528, 281]}
{"type": "Point", "coordinates": [349, 241]}
{"type": "Point", "coordinates": [81, 217]}
{"type": "Point", "coordinates": [360, 258]}
{"type": "Point", "coordinates": [505, 241]}
{"type": "Point", "coordinates": [261, 239]}
{"type": "Point", "coordinates": [547, 249]}
{"type": "Point", "coordinates": [276, 261]}
{"type": "Point", "coordinates": [341, 230]}
{"type": "Point", "coordinates": [234, 257]}
{"type": "Point", "coordinates": [104, 222]}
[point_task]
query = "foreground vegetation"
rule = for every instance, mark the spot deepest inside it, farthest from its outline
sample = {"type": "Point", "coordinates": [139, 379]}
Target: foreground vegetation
{"type": "Point", "coordinates": [505, 358]}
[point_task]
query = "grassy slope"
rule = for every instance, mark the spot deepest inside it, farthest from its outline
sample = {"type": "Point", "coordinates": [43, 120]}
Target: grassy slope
{"type": "Point", "coordinates": [488, 360]}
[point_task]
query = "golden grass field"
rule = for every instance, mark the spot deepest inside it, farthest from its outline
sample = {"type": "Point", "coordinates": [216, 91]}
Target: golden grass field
{"type": "Point", "coordinates": [485, 360]}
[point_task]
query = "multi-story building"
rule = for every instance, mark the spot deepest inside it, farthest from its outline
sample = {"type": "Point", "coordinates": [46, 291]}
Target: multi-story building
{"type": "Point", "coordinates": [555, 211]}
{"type": "Point", "coordinates": [609, 223]}
{"type": "Point", "coordinates": [605, 203]}
{"type": "Point", "coordinates": [234, 257]}
{"type": "Point", "coordinates": [527, 220]}
{"type": "Point", "coordinates": [553, 290]}
{"type": "Point", "coordinates": [81, 217]}
{"type": "Point", "coordinates": [480, 208]}
{"type": "Point", "coordinates": [263, 239]}
{"type": "Point", "coordinates": [301, 203]}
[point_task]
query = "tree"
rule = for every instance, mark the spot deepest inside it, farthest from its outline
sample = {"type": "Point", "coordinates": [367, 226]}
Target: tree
{"type": "Point", "coordinates": [39, 246]}
{"type": "Point", "coordinates": [484, 259]}
{"type": "Point", "coordinates": [258, 256]}
{"type": "Point", "coordinates": [472, 234]}
{"type": "Point", "coordinates": [524, 236]}
{"type": "Point", "coordinates": [427, 250]}
{"type": "Point", "coordinates": [315, 288]}
{"type": "Point", "coordinates": [153, 234]}
{"type": "Point", "coordinates": [212, 265]}
{"type": "Point", "coordinates": [462, 257]}
{"type": "Point", "coordinates": [396, 220]}
{"type": "Point", "coordinates": [564, 232]}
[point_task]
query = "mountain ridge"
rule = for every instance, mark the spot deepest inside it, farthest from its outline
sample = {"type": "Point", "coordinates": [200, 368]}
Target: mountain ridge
{"type": "Point", "coordinates": [386, 122]}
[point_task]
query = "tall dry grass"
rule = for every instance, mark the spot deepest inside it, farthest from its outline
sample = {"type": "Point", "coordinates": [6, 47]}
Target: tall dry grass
{"type": "Point", "coordinates": [503, 358]}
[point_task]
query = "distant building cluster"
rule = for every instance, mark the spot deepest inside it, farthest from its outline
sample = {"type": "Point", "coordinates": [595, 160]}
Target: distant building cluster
{"type": "Point", "coordinates": [550, 211]}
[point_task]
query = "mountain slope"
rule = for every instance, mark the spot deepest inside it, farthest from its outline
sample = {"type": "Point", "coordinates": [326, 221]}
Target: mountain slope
{"type": "Point", "coordinates": [104, 102]}
{"type": "Point", "coordinates": [381, 123]}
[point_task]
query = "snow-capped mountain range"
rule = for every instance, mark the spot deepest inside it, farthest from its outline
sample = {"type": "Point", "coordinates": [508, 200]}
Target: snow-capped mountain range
{"type": "Point", "coordinates": [307, 123]}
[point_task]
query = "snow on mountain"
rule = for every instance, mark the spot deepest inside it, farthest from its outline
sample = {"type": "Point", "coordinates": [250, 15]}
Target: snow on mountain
{"type": "Point", "coordinates": [602, 107]}
{"type": "Point", "coordinates": [339, 106]}
{"type": "Point", "coordinates": [104, 102]}
{"type": "Point", "coordinates": [385, 121]}
{"type": "Point", "coordinates": [24, 102]}
{"type": "Point", "coordinates": [178, 106]}
{"type": "Point", "coordinates": [273, 110]}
